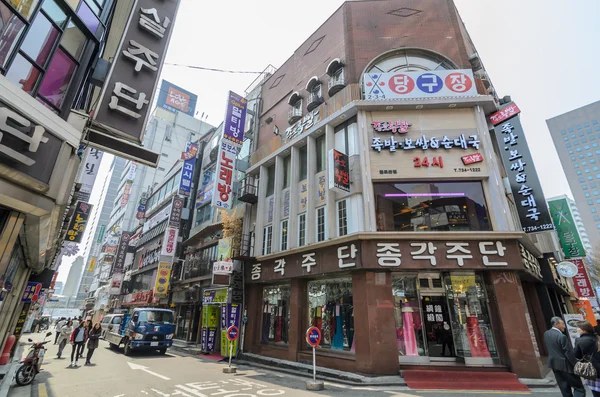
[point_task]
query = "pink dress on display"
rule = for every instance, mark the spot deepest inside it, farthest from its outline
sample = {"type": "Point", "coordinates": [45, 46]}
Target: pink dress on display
{"type": "Point", "coordinates": [410, 339]}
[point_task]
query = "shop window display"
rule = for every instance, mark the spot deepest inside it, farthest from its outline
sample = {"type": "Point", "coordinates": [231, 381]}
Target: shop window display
{"type": "Point", "coordinates": [276, 314]}
{"type": "Point", "coordinates": [471, 326]}
{"type": "Point", "coordinates": [331, 310]}
{"type": "Point", "coordinates": [407, 312]}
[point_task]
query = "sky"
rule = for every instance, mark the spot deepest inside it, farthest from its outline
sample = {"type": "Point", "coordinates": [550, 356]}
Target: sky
{"type": "Point", "coordinates": [543, 53]}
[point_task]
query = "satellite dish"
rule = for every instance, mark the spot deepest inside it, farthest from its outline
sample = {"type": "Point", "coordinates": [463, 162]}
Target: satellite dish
{"type": "Point", "coordinates": [567, 269]}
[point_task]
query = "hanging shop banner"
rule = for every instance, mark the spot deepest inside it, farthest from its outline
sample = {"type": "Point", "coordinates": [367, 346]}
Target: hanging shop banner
{"type": "Point", "coordinates": [132, 81]}
{"type": "Point", "coordinates": [175, 215]}
{"type": "Point", "coordinates": [115, 283]}
{"type": "Point", "coordinates": [53, 281]}
{"type": "Point", "coordinates": [92, 264]}
{"type": "Point", "coordinates": [175, 99]}
{"type": "Point", "coordinates": [32, 292]}
{"type": "Point", "coordinates": [78, 222]}
{"type": "Point", "coordinates": [215, 296]}
{"type": "Point", "coordinates": [126, 192]}
{"type": "Point", "coordinates": [108, 258]}
{"type": "Point", "coordinates": [339, 171]}
{"type": "Point", "coordinates": [524, 181]}
{"type": "Point", "coordinates": [163, 276]}
{"type": "Point", "coordinates": [565, 227]}
{"type": "Point", "coordinates": [235, 119]}
{"type": "Point", "coordinates": [223, 195]}
{"type": "Point", "coordinates": [121, 252]}
{"type": "Point", "coordinates": [584, 307]}
{"type": "Point", "coordinates": [141, 209]}
{"type": "Point", "coordinates": [205, 192]}
{"type": "Point", "coordinates": [187, 171]}
{"type": "Point", "coordinates": [583, 286]}
{"type": "Point", "coordinates": [101, 234]}
{"type": "Point", "coordinates": [89, 171]}
{"type": "Point", "coordinates": [424, 84]}
{"type": "Point", "coordinates": [170, 241]}
{"type": "Point", "coordinates": [224, 249]}
{"type": "Point", "coordinates": [505, 113]}
{"type": "Point", "coordinates": [222, 268]}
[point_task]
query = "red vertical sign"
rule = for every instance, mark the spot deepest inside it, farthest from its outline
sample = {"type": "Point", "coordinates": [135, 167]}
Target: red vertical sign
{"type": "Point", "coordinates": [583, 287]}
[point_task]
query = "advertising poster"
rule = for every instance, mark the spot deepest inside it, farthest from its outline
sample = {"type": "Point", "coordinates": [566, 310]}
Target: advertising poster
{"type": "Point", "coordinates": [32, 292]}
{"type": "Point", "coordinates": [339, 171]}
{"type": "Point", "coordinates": [78, 222]}
{"type": "Point", "coordinates": [176, 99]}
{"type": "Point", "coordinates": [571, 321]}
{"type": "Point", "coordinates": [224, 249]}
{"type": "Point", "coordinates": [524, 181]}
{"type": "Point", "coordinates": [205, 192]}
{"type": "Point", "coordinates": [565, 228]}
{"type": "Point", "coordinates": [584, 307]}
{"type": "Point", "coordinates": [429, 84]}
{"type": "Point", "coordinates": [235, 119]}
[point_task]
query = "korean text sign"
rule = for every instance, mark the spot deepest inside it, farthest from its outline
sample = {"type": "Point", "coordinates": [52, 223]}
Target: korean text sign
{"type": "Point", "coordinates": [32, 292]}
{"type": "Point", "coordinates": [524, 181]}
{"type": "Point", "coordinates": [170, 241]}
{"type": "Point", "coordinates": [429, 84]}
{"type": "Point", "coordinates": [235, 119]}
{"type": "Point", "coordinates": [223, 194]}
{"type": "Point", "coordinates": [583, 286]}
{"type": "Point", "coordinates": [339, 171]}
{"type": "Point", "coordinates": [176, 99]}
{"type": "Point", "coordinates": [78, 222]}
{"type": "Point", "coordinates": [565, 227]}
{"type": "Point", "coordinates": [121, 252]}
{"type": "Point", "coordinates": [163, 276]}
{"type": "Point", "coordinates": [187, 171]}
{"type": "Point", "coordinates": [132, 81]}
{"type": "Point", "coordinates": [89, 171]}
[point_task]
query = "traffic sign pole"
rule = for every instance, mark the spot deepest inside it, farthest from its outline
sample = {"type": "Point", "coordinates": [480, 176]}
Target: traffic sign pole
{"type": "Point", "coordinates": [232, 335]}
{"type": "Point", "coordinates": [314, 365]}
{"type": "Point", "coordinates": [313, 338]}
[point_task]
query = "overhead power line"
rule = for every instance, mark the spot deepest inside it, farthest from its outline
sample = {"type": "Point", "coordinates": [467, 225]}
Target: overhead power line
{"type": "Point", "coordinates": [212, 69]}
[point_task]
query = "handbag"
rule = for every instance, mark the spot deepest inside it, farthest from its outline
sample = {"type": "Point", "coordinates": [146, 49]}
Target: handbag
{"type": "Point", "coordinates": [585, 369]}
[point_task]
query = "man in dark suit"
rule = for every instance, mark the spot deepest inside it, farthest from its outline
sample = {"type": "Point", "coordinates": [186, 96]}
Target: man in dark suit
{"type": "Point", "coordinates": [561, 359]}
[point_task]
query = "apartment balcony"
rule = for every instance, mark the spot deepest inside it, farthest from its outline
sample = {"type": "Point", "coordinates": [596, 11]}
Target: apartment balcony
{"type": "Point", "coordinates": [314, 100]}
{"type": "Point", "coordinates": [248, 191]}
{"type": "Point", "coordinates": [294, 114]}
{"type": "Point", "coordinates": [336, 82]}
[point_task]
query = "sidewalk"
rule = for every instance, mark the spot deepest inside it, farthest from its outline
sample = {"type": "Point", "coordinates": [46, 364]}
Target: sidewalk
{"type": "Point", "coordinates": [332, 375]}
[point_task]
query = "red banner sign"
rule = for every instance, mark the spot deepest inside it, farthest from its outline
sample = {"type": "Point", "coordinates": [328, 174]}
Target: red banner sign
{"type": "Point", "coordinates": [472, 158]}
{"type": "Point", "coordinates": [504, 114]}
{"type": "Point", "coordinates": [583, 287]}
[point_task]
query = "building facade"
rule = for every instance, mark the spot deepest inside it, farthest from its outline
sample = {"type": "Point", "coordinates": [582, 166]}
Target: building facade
{"type": "Point", "coordinates": [381, 215]}
{"type": "Point", "coordinates": [48, 51]}
{"type": "Point", "coordinates": [576, 136]}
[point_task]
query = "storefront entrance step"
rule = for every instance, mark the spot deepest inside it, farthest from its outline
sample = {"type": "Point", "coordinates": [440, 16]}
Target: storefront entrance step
{"type": "Point", "coordinates": [326, 374]}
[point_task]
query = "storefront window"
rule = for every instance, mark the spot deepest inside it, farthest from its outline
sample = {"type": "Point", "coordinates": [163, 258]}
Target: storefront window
{"type": "Point", "coordinates": [276, 314]}
{"type": "Point", "coordinates": [431, 206]}
{"type": "Point", "coordinates": [471, 326]}
{"type": "Point", "coordinates": [330, 308]}
{"type": "Point", "coordinates": [407, 312]}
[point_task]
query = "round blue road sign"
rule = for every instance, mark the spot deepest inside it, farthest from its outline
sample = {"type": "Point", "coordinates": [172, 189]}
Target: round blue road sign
{"type": "Point", "coordinates": [313, 336]}
{"type": "Point", "coordinates": [232, 333]}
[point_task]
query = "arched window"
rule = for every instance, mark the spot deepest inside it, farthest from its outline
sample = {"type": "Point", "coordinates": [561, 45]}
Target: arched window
{"type": "Point", "coordinates": [409, 60]}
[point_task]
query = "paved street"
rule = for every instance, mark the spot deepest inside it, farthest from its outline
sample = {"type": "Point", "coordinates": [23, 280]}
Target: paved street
{"type": "Point", "coordinates": [153, 375]}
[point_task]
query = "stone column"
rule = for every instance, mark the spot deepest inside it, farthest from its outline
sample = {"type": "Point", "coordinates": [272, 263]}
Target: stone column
{"type": "Point", "coordinates": [298, 309]}
{"type": "Point", "coordinates": [519, 338]}
{"type": "Point", "coordinates": [374, 323]}
{"type": "Point", "coordinates": [254, 314]}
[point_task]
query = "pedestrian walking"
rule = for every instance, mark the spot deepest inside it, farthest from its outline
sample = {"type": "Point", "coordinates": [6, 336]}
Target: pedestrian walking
{"type": "Point", "coordinates": [78, 339]}
{"type": "Point", "coordinates": [65, 335]}
{"type": "Point", "coordinates": [93, 337]}
{"type": "Point", "coordinates": [561, 359]}
{"type": "Point", "coordinates": [61, 321]}
{"type": "Point", "coordinates": [587, 347]}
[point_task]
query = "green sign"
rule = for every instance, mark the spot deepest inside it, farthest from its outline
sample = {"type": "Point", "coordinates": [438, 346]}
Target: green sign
{"type": "Point", "coordinates": [101, 234]}
{"type": "Point", "coordinates": [565, 227]}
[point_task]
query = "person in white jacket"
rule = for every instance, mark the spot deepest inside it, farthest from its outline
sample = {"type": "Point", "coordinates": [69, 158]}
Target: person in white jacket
{"type": "Point", "coordinates": [65, 336]}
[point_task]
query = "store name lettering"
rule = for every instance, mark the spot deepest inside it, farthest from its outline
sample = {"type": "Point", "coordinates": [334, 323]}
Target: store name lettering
{"type": "Point", "coordinates": [306, 123]}
{"type": "Point", "coordinates": [425, 143]}
{"type": "Point", "coordinates": [399, 126]}
{"type": "Point", "coordinates": [389, 255]}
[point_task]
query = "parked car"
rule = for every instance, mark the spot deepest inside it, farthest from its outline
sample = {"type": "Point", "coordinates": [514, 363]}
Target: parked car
{"type": "Point", "coordinates": [110, 322]}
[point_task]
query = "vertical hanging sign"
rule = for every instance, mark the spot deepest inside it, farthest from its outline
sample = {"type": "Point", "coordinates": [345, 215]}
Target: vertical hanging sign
{"type": "Point", "coordinates": [89, 171]}
{"type": "Point", "coordinates": [524, 181]}
{"type": "Point", "coordinates": [187, 171]}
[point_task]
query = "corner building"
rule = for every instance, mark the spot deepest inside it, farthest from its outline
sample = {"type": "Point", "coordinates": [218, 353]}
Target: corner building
{"type": "Point", "coordinates": [416, 258]}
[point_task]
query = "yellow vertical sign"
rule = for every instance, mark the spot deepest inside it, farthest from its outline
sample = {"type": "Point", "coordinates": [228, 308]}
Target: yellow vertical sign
{"type": "Point", "coordinates": [163, 276]}
{"type": "Point", "coordinates": [92, 264]}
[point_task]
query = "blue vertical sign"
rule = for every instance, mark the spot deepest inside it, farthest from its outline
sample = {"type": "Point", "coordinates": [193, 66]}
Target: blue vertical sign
{"type": "Point", "coordinates": [187, 172]}
{"type": "Point", "coordinates": [235, 119]}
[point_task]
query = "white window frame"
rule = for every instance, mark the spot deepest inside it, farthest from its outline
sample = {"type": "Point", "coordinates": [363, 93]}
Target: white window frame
{"type": "Point", "coordinates": [284, 239]}
{"type": "Point", "coordinates": [339, 217]}
{"type": "Point", "coordinates": [324, 209]}
{"type": "Point", "coordinates": [267, 240]}
{"type": "Point", "coordinates": [301, 232]}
